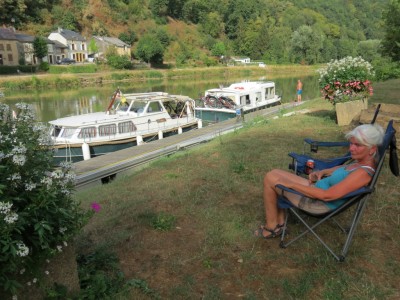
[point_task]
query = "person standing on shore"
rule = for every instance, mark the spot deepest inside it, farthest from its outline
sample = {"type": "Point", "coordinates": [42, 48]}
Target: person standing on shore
{"type": "Point", "coordinates": [299, 89]}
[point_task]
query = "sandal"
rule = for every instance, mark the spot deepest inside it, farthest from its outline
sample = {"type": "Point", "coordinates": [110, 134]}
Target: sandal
{"type": "Point", "coordinates": [273, 232]}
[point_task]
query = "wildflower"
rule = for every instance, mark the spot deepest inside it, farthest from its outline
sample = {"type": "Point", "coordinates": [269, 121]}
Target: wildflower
{"type": "Point", "coordinates": [14, 297]}
{"type": "Point", "coordinates": [11, 218]}
{"type": "Point", "coordinates": [23, 250]}
{"type": "Point", "coordinates": [46, 272]}
{"type": "Point", "coordinates": [34, 280]}
{"type": "Point", "coordinates": [59, 248]}
{"type": "Point", "coordinates": [5, 207]}
{"type": "Point", "coordinates": [22, 271]}
{"type": "Point", "coordinates": [95, 206]}
{"type": "Point", "coordinates": [65, 244]}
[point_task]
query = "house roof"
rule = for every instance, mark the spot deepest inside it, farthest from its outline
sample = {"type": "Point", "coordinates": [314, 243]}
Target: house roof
{"type": "Point", "coordinates": [57, 44]}
{"type": "Point", "coordinates": [112, 40]}
{"type": "Point", "coordinates": [70, 35]}
{"type": "Point", "coordinates": [7, 34]}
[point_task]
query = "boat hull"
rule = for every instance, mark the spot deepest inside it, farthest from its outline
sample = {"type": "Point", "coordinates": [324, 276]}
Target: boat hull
{"type": "Point", "coordinates": [75, 153]}
{"type": "Point", "coordinates": [215, 115]}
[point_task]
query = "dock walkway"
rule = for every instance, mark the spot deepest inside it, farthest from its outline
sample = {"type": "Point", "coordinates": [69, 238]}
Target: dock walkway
{"type": "Point", "coordinates": [105, 167]}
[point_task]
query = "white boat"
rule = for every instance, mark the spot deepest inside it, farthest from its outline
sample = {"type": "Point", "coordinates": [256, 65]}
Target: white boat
{"type": "Point", "coordinates": [223, 103]}
{"type": "Point", "coordinates": [130, 119]}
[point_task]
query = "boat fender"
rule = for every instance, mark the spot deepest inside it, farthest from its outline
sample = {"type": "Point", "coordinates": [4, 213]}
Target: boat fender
{"type": "Point", "coordinates": [139, 140]}
{"type": "Point", "coordinates": [180, 130]}
{"type": "Point", "coordinates": [160, 135]}
{"type": "Point", "coordinates": [200, 124]}
{"type": "Point", "coordinates": [85, 151]}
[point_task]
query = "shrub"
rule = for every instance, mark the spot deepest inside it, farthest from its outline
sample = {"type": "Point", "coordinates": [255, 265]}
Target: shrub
{"type": "Point", "coordinates": [346, 80]}
{"type": "Point", "coordinates": [37, 212]}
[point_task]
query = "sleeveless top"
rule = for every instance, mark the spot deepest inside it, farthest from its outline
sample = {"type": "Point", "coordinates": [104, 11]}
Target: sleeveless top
{"type": "Point", "coordinates": [337, 176]}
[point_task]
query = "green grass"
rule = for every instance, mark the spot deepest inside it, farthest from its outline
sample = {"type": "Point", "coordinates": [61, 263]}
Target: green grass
{"type": "Point", "coordinates": [182, 228]}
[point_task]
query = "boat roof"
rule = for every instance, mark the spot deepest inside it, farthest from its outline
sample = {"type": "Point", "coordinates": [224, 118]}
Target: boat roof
{"type": "Point", "coordinates": [244, 86]}
{"type": "Point", "coordinates": [88, 119]}
{"type": "Point", "coordinates": [156, 96]}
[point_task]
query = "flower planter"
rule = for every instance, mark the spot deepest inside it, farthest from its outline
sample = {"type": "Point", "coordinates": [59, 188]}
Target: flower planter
{"type": "Point", "coordinates": [347, 111]}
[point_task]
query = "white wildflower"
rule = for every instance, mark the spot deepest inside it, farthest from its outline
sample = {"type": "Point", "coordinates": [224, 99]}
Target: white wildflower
{"type": "Point", "coordinates": [46, 272]}
{"type": "Point", "coordinates": [65, 244]}
{"type": "Point", "coordinates": [23, 250]}
{"type": "Point", "coordinates": [30, 186]}
{"type": "Point", "coordinates": [63, 229]}
{"type": "Point", "coordinates": [11, 218]}
{"type": "Point", "coordinates": [5, 207]}
{"type": "Point", "coordinates": [22, 271]}
{"type": "Point", "coordinates": [59, 248]}
{"type": "Point", "coordinates": [34, 280]}
{"type": "Point", "coordinates": [19, 160]}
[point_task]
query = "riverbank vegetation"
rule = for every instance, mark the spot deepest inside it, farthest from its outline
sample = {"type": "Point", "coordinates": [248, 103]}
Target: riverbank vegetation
{"type": "Point", "coordinates": [182, 228]}
{"type": "Point", "coordinates": [63, 80]}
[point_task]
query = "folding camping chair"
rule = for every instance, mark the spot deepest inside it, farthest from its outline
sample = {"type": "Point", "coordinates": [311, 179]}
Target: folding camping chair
{"type": "Point", "coordinates": [299, 161]}
{"type": "Point", "coordinates": [358, 198]}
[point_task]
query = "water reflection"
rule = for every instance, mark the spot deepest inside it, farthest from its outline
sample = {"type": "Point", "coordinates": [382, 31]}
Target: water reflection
{"type": "Point", "coordinates": [53, 104]}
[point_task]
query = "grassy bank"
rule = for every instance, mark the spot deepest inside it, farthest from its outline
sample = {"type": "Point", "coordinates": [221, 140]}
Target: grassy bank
{"type": "Point", "coordinates": [23, 82]}
{"type": "Point", "coordinates": [182, 228]}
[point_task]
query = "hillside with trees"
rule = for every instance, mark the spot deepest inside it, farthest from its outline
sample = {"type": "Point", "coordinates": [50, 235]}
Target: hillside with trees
{"type": "Point", "coordinates": [193, 32]}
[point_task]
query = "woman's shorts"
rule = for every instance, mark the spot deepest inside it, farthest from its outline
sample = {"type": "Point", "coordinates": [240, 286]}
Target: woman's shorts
{"type": "Point", "coordinates": [313, 206]}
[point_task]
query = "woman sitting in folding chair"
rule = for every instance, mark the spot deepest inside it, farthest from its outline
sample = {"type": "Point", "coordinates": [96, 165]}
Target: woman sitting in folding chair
{"type": "Point", "coordinates": [324, 185]}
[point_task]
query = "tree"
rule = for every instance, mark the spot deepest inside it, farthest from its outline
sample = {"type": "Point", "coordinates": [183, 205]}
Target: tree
{"type": "Point", "coordinates": [128, 37]}
{"type": "Point", "coordinates": [93, 47]}
{"type": "Point", "coordinates": [306, 45]}
{"type": "Point", "coordinates": [40, 47]}
{"type": "Point", "coordinates": [218, 49]}
{"type": "Point", "coordinates": [391, 41]}
{"type": "Point", "coordinates": [150, 49]}
{"type": "Point", "coordinates": [213, 25]}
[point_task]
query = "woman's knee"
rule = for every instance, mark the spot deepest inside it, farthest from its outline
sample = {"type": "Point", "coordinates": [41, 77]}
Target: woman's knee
{"type": "Point", "coordinates": [271, 177]}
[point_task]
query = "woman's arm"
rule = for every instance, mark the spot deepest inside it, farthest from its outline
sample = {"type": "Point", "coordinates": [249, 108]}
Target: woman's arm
{"type": "Point", "coordinates": [352, 182]}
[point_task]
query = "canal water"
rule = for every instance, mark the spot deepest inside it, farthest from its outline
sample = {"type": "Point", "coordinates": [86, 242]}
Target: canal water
{"type": "Point", "coordinates": [51, 104]}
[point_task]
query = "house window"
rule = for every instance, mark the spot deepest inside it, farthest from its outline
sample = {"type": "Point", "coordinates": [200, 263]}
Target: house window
{"type": "Point", "coordinates": [1, 47]}
{"type": "Point", "coordinates": [83, 47]}
{"type": "Point", "coordinates": [126, 127]}
{"type": "Point", "coordinates": [108, 130]}
{"type": "Point", "coordinates": [88, 132]}
{"type": "Point", "coordinates": [10, 57]}
{"type": "Point", "coordinates": [73, 47]}
{"type": "Point", "coordinates": [8, 47]}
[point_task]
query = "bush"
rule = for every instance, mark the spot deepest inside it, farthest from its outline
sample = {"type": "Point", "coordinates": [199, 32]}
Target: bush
{"type": "Point", "coordinates": [44, 66]}
{"type": "Point", "coordinates": [37, 212]}
{"type": "Point", "coordinates": [119, 61]}
{"type": "Point", "coordinates": [346, 80]}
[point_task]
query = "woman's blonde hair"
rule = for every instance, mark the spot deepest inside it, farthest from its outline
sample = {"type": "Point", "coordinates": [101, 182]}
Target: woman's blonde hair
{"type": "Point", "coordinates": [367, 134]}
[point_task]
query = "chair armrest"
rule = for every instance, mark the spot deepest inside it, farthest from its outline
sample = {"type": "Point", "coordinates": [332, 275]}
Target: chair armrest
{"type": "Point", "coordinates": [326, 144]}
{"type": "Point", "coordinates": [362, 190]}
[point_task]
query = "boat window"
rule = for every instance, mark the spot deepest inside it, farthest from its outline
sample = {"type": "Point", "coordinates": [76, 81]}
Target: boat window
{"type": "Point", "coordinates": [107, 130]}
{"type": "Point", "coordinates": [258, 96]}
{"type": "Point", "coordinates": [55, 131]}
{"type": "Point", "coordinates": [125, 127]}
{"type": "Point", "coordinates": [138, 106]}
{"type": "Point", "coordinates": [87, 132]}
{"type": "Point", "coordinates": [68, 132]}
{"type": "Point", "coordinates": [245, 100]}
{"type": "Point", "coordinates": [154, 107]}
{"type": "Point", "coordinates": [269, 93]}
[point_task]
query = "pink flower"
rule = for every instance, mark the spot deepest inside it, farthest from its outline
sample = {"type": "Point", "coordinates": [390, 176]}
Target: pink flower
{"type": "Point", "coordinates": [95, 206]}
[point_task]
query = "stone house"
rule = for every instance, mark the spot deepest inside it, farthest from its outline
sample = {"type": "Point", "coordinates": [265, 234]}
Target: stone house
{"type": "Point", "coordinates": [9, 53]}
{"type": "Point", "coordinates": [103, 43]}
{"type": "Point", "coordinates": [76, 45]}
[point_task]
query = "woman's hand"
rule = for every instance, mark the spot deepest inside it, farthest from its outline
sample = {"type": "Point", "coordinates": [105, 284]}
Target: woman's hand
{"type": "Point", "coordinates": [315, 176]}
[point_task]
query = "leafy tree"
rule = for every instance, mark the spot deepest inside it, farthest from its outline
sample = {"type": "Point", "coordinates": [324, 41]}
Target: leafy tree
{"type": "Point", "coordinates": [93, 47]}
{"type": "Point", "coordinates": [150, 49]}
{"type": "Point", "coordinates": [306, 45]}
{"type": "Point", "coordinates": [391, 41]}
{"type": "Point", "coordinates": [369, 50]}
{"type": "Point", "coordinates": [128, 37]}
{"type": "Point", "coordinates": [40, 47]}
{"type": "Point", "coordinates": [213, 25]}
{"type": "Point", "coordinates": [218, 49]}
{"type": "Point", "coordinates": [193, 10]}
